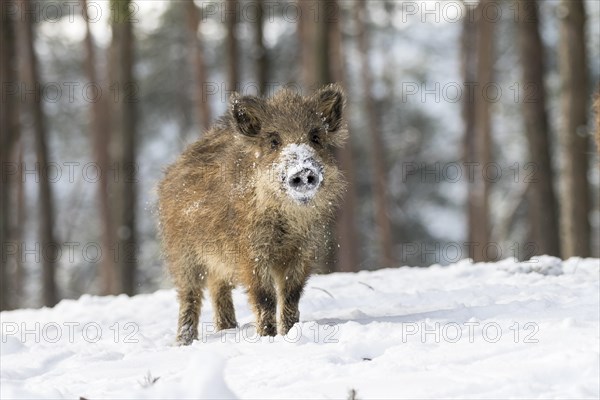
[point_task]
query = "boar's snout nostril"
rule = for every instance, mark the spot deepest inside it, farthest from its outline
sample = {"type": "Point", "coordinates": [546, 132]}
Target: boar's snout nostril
{"type": "Point", "coordinates": [303, 181]}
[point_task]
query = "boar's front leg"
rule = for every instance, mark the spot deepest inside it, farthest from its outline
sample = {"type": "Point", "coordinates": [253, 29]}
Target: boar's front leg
{"type": "Point", "coordinates": [190, 301]}
{"type": "Point", "coordinates": [263, 300]}
{"type": "Point", "coordinates": [289, 292]}
{"type": "Point", "coordinates": [189, 280]}
{"type": "Point", "coordinates": [289, 313]}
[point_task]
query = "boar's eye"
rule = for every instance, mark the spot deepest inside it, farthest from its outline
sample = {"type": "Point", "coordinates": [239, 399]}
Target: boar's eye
{"type": "Point", "coordinates": [274, 140]}
{"type": "Point", "coordinates": [314, 136]}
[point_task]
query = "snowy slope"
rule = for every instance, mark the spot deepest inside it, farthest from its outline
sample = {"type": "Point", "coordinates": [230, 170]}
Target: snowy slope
{"type": "Point", "coordinates": [493, 330]}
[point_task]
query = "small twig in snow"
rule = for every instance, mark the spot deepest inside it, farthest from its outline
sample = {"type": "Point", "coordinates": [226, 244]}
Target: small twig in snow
{"type": "Point", "coordinates": [367, 285]}
{"type": "Point", "coordinates": [323, 290]}
{"type": "Point", "coordinates": [149, 380]}
{"type": "Point", "coordinates": [352, 395]}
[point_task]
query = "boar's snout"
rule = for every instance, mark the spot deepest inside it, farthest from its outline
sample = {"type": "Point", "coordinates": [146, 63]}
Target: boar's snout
{"type": "Point", "coordinates": [305, 180]}
{"type": "Point", "coordinates": [303, 174]}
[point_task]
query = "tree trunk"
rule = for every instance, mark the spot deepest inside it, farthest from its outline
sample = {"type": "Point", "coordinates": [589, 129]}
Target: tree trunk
{"type": "Point", "coordinates": [233, 74]}
{"type": "Point", "coordinates": [18, 228]}
{"type": "Point", "coordinates": [307, 35]}
{"type": "Point", "coordinates": [262, 60]}
{"type": "Point", "coordinates": [123, 143]}
{"type": "Point", "coordinates": [194, 19]}
{"type": "Point", "coordinates": [347, 257]}
{"type": "Point", "coordinates": [322, 43]}
{"type": "Point", "coordinates": [48, 245]}
{"type": "Point", "coordinates": [597, 111]}
{"type": "Point", "coordinates": [9, 133]}
{"type": "Point", "coordinates": [574, 196]}
{"type": "Point", "coordinates": [380, 181]}
{"type": "Point", "coordinates": [478, 58]}
{"type": "Point", "coordinates": [469, 74]}
{"type": "Point", "coordinates": [543, 210]}
{"type": "Point", "coordinates": [100, 135]}
{"type": "Point", "coordinates": [321, 61]}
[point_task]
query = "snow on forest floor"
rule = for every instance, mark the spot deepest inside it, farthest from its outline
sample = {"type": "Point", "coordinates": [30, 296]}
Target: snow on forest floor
{"type": "Point", "coordinates": [496, 330]}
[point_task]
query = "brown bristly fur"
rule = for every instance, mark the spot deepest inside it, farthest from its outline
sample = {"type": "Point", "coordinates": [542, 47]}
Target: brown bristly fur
{"type": "Point", "coordinates": [225, 220]}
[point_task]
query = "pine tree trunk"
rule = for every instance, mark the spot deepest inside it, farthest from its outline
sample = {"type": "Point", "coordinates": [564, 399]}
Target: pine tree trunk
{"type": "Point", "coordinates": [233, 74]}
{"type": "Point", "coordinates": [47, 241]}
{"type": "Point", "coordinates": [307, 29]}
{"type": "Point", "coordinates": [194, 19]}
{"type": "Point", "coordinates": [124, 90]}
{"type": "Point", "coordinates": [262, 60]}
{"type": "Point", "coordinates": [380, 181]}
{"type": "Point", "coordinates": [347, 257]}
{"type": "Point", "coordinates": [100, 137]}
{"type": "Point", "coordinates": [543, 209]}
{"type": "Point", "coordinates": [574, 196]}
{"type": "Point", "coordinates": [469, 74]}
{"type": "Point", "coordinates": [322, 45]}
{"type": "Point", "coordinates": [9, 133]}
{"type": "Point", "coordinates": [597, 111]}
{"type": "Point", "coordinates": [18, 228]}
{"type": "Point", "coordinates": [478, 57]}
{"type": "Point", "coordinates": [321, 62]}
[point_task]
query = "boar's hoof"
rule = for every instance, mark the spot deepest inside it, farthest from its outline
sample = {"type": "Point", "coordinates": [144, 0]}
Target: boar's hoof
{"type": "Point", "coordinates": [267, 330]}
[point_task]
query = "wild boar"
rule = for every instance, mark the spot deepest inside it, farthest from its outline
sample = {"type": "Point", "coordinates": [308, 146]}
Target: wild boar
{"type": "Point", "coordinates": [250, 204]}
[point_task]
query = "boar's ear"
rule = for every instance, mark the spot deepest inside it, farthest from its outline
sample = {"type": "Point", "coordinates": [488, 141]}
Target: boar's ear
{"type": "Point", "coordinates": [330, 101]}
{"type": "Point", "coordinates": [245, 111]}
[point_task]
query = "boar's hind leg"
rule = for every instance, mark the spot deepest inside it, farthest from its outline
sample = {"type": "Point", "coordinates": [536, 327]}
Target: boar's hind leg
{"type": "Point", "coordinates": [263, 300]}
{"type": "Point", "coordinates": [190, 301]}
{"type": "Point", "coordinates": [220, 293]}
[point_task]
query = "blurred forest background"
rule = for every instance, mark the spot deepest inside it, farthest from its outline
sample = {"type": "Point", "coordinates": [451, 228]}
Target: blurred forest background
{"type": "Point", "coordinates": [471, 127]}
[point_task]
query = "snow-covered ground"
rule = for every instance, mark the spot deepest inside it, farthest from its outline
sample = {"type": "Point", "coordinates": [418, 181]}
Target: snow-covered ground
{"type": "Point", "coordinates": [498, 330]}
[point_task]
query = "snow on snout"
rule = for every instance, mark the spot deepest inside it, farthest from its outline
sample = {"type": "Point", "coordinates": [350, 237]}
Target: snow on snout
{"type": "Point", "coordinates": [299, 161]}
